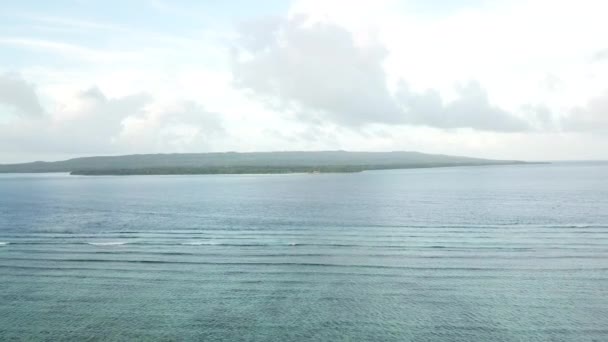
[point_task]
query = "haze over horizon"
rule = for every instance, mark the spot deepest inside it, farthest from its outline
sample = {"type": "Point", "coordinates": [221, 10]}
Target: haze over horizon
{"type": "Point", "coordinates": [291, 151]}
{"type": "Point", "coordinates": [525, 80]}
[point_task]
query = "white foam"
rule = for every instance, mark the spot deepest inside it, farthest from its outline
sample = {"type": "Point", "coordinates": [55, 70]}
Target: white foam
{"type": "Point", "coordinates": [199, 243]}
{"type": "Point", "coordinates": [4, 243]}
{"type": "Point", "coordinates": [113, 243]}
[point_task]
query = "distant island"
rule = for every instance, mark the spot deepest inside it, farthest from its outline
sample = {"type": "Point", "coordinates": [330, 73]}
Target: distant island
{"type": "Point", "coordinates": [248, 163]}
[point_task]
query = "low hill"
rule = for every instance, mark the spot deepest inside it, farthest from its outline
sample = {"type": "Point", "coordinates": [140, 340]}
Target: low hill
{"type": "Point", "coordinates": [255, 162]}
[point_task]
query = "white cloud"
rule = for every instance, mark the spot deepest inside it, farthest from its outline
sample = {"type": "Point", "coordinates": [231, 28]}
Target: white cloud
{"type": "Point", "coordinates": [502, 79]}
{"type": "Point", "coordinates": [591, 117]}
{"type": "Point", "coordinates": [601, 55]}
{"type": "Point", "coordinates": [92, 123]}
{"type": "Point", "coordinates": [19, 96]}
{"type": "Point", "coordinates": [315, 69]}
{"type": "Point", "coordinates": [318, 70]}
{"type": "Point", "coordinates": [471, 108]}
{"type": "Point", "coordinates": [179, 127]}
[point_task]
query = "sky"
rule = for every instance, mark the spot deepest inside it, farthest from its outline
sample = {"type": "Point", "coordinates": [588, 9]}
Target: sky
{"type": "Point", "coordinates": [499, 79]}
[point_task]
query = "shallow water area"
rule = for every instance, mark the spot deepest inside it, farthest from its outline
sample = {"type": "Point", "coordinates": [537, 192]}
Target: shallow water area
{"type": "Point", "coordinates": [503, 253]}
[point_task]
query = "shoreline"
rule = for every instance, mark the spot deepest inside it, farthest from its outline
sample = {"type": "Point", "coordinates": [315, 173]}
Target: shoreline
{"type": "Point", "coordinates": [273, 171]}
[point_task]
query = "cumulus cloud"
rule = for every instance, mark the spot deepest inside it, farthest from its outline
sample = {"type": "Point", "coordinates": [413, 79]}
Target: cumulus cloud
{"type": "Point", "coordinates": [92, 123]}
{"type": "Point", "coordinates": [177, 127]}
{"type": "Point", "coordinates": [592, 117]}
{"type": "Point", "coordinates": [316, 68]}
{"type": "Point", "coordinates": [471, 109]}
{"type": "Point", "coordinates": [601, 55]}
{"type": "Point", "coordinates": [319, 71]}
{"type": "Point", "coordinates": [541, 116]}
{"type": "Point", "coordinates": [19, 95]}
{"type": "Point", "coordinates": [97, 119]}
{"type": "Point", "coordinates": [87, 123]}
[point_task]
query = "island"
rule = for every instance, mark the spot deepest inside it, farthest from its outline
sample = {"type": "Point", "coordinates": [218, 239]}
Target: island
{"type": "Point", "coordinates": [248, 163]}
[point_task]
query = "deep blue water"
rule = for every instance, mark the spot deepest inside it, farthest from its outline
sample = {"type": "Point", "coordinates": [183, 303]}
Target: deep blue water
{"type": "Point", "coordinates": [508, 253]}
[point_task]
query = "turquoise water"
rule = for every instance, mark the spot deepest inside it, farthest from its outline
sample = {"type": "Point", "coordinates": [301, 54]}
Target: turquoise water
{"type": "Point", "coordinates": [509, 253]}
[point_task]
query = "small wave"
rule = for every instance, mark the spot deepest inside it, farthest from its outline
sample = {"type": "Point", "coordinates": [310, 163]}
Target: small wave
{"type": "Point", "coordinates": [113, 243]}
{"type": "Point", "coordinates": [57, 231]}
{"type": "Point", "coordinates": [200, 243]}
{"type": "Point", "coordinates": [4, 243]}
{"type": "Point", "coordinates": [252, 244]}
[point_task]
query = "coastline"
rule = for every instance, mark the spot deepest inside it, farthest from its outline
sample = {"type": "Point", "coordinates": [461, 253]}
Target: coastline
{"type": "Point", "coordinates": [274, 170]}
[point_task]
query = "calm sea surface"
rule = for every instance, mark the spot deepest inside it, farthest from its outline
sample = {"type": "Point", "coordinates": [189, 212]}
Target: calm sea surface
{"type": "Point", "coordinates": [508, 253]}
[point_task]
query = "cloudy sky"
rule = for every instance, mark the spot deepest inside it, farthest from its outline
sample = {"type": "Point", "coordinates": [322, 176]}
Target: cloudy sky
{"type": "Point", "coordinates": [498, 79]}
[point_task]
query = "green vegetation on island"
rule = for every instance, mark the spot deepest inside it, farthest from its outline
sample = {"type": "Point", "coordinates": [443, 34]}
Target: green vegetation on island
{"type": "Point", "coordinates": [244, 163]}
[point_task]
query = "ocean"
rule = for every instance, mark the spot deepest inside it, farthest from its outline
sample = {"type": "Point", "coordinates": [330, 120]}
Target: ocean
{"type": "Point", "coordinates": [492, 253]}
